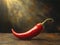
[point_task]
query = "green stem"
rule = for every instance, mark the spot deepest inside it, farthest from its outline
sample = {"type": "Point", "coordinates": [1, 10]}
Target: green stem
{"type": "Point", "coordinates": [47, 20]}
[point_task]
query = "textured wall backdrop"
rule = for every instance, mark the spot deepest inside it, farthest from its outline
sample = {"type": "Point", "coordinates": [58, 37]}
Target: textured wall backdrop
{"type": "Point", "coordinates": [24, 14]}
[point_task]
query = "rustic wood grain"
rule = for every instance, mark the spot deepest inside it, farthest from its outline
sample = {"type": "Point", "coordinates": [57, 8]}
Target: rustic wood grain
{"type": "Point", "coordinates": [41, 39]}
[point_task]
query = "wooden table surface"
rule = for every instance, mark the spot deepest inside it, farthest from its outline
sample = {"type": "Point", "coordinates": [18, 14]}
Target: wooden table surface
{"type": "Point", "coordinates": [41, 39]}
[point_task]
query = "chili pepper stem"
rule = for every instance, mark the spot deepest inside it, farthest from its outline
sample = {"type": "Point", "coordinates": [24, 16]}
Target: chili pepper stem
{"type": "Point", "coordinates": [47, 20]}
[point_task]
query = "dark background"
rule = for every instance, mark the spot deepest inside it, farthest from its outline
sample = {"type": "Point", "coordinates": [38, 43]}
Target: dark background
{"type": "Point", "coordinates": [48, 8]}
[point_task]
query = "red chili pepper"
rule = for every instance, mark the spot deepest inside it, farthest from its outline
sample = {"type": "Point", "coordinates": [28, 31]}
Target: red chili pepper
{"type": "Point", "coordinates": [32, 32]}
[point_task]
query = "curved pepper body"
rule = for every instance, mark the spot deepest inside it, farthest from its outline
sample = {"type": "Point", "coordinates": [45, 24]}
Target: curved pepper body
{"type": "Point", "coordinates": [30, 33]}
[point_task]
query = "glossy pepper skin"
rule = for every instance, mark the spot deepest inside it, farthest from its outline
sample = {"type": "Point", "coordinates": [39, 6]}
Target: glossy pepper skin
{"type": "Point", "coordinates": [32, 32]}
